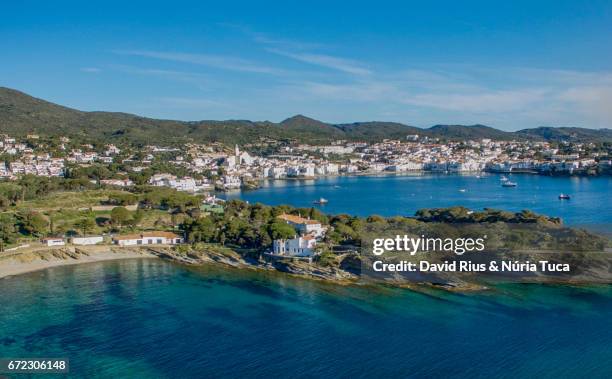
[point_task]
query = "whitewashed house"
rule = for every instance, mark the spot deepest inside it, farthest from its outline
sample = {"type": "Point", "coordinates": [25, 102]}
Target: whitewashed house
{"type": "Point", "coordinates": [302, 246]}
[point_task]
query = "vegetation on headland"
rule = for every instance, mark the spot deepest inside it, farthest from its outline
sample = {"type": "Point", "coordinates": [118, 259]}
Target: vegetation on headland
{"type": "Point", "coordinates": [464, 215]}
{"type": "Point", "coordinates": [39, 207]}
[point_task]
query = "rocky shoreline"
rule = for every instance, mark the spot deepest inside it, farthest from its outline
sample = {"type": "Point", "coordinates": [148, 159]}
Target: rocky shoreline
{"type": "Point", "coordinates": [28, 261]}
{"type": "Point", "coordinates": [347, 273]}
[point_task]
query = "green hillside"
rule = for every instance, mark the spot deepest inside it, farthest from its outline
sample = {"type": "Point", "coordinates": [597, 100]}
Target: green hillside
{"type": "Point", "coordinates": [21, 114]}
{"type": "Point", "coordinates": [463, 132]}
{"type": "Point", "coordinates": [567, 134]}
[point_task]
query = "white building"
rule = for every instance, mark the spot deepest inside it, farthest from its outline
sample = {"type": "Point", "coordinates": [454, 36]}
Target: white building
{"type": "Point", "coordinates": [185, 184]}
{"type": "Point", "coordinates": [91, 240]}
{"type": "Point", "coordinates": [112, 150]}
{"type": "Point", "coordinates": [53, 241]}
{"type": "Point", "coordinates": [161, 180]}
{"type": "Point", "coordinates": [230, 181]}
{"type": "Point", "coordinates": [302, 246]}
{"type": "Point", "coordinates": [229, 162]}
{"type": "Point", "coordinates": [148, 238]}
{"type": "Point", "coordinates": [117, 182]}
{"type": "Point", "coordinates": [304, 225]}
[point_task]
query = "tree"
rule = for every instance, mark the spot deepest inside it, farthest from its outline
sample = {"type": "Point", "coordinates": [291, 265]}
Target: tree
{"type": "Point", "coordinates": [120, 216]}
{"type": "Point", "coordinates": [34, 223]}
{"type": "Point", "coordinates": [327, 259]}
{"type": "Point", "coordinates": [201, 230]}
{"type": "Point", "coordinates": [7, 230]}
{"type": "Point", "coordinates": [120, 198]}
{"type": "Point", "coordinates": [137, 217]}
{"type": "Point", "coordinates": [281, 230]}
{"type": "Point", "coordinates": [86, 224]}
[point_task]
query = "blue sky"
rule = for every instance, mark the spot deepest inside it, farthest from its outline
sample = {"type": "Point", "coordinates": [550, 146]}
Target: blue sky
{"type": "Point", "coordinates": [511, 65]}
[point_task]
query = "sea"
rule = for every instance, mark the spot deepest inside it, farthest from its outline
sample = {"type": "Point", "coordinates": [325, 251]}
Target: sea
{"type": "Point", "coordinates": [402, 195]}
{"type": "Point", "coordinates": [148, 318]}
{"type": "Point", "coordinates": [154, 319]}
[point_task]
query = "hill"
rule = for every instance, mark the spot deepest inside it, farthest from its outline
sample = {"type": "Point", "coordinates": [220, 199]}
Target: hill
{"type": "Point", "coordinates": [376, 130]}
{"type": "Point", "coordinates": [470, 132]}
{"type": "Point", "coordinates": [21, 114]}
{"type": "Point", "coordinates": [566, 134]}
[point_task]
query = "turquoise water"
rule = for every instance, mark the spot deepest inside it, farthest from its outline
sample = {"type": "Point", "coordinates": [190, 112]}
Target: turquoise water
{"type": "Point", "coordinates": [391, 195]}
{"type": "Point", "coordinates": [149, 318]}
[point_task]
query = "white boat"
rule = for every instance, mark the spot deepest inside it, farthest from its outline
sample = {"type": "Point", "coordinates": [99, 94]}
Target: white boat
{"type": "Point", "coordinates": [503, 178]}
{"type": "Point", "coordinates": [564, 196]}
{"type": "Point", "coordinates": [462, 190]}
{"type": "Point", "coordinates": [508, 183]}
{"type": "Point", "coordinates": [321, 200]}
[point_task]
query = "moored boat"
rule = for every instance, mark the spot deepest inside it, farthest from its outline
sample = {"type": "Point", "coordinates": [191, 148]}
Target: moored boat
{"type": "Point", "coordinates": [321, 200]}
{"type": "Point", "coordinates": [508, 183]}
{"type": "Point", "coordinates": [564, 196]}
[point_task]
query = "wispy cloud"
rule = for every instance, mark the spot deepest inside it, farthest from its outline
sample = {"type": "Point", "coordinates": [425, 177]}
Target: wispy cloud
{"type": "Point", "coordinates": [216, 61]}
{"type": "Point", "coordinates": [522, 98]}
{"type": "Point", "coordinates": [511, 97]}
{"type": "Point", "coordinates": [484, 101]}
{"type": "Point", "coordinates": [340, 64]}
{"type": "Point", "coordinates": [92, 70]}
{"type": "Point", "coordinates": [267, 39]}
{"type": "Point", "coordinates": [302, 51]}
{"type": "Point", "coordinates": [183, 76]}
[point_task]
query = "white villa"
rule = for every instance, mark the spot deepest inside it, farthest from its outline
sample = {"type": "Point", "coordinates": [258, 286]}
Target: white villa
{"type": "Point", "coordinates": [302, 246]}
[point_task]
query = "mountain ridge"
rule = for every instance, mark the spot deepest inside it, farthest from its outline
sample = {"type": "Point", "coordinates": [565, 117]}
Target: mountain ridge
{"type": "Point", "coordinates": [22, 114]}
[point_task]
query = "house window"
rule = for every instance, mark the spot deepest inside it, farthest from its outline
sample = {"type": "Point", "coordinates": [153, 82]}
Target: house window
{"type": "Point", "coordinates": [138, 242]}
{"type": "Point", "coordinates": [159, 240]}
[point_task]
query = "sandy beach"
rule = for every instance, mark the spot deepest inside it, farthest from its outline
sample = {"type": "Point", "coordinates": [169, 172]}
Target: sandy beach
{"type": "Point", "coordinates": [28, 261]}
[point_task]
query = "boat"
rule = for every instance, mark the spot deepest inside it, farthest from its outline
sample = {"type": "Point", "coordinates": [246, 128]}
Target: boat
{"type": "Point", "coordinates": [321, 201]}
{"type": "Point", "coordinates": [504, 178]}
{"type": "Point", "coordinates": [462, 190]}
{"type": "Point", "coordinates": [508, 183]}
{"type": "Point", "coordinates": [564, 196]}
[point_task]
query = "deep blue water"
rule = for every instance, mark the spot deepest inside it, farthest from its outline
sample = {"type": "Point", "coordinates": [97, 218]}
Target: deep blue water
{"type": "Point", "coordinates": [153, 319]}
{"type": "Point", "coordinates": [390, 195]}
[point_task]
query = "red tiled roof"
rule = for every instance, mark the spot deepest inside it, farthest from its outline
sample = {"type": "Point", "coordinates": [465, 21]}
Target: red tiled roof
{"type": "Point", "coordinates": [297, 219]}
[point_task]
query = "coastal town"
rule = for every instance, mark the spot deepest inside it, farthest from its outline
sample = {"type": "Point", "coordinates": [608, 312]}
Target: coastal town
{"type": "Point", "coordinates": [206, 167]}
{"type": "Point", "coordinates": [134, 210]}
